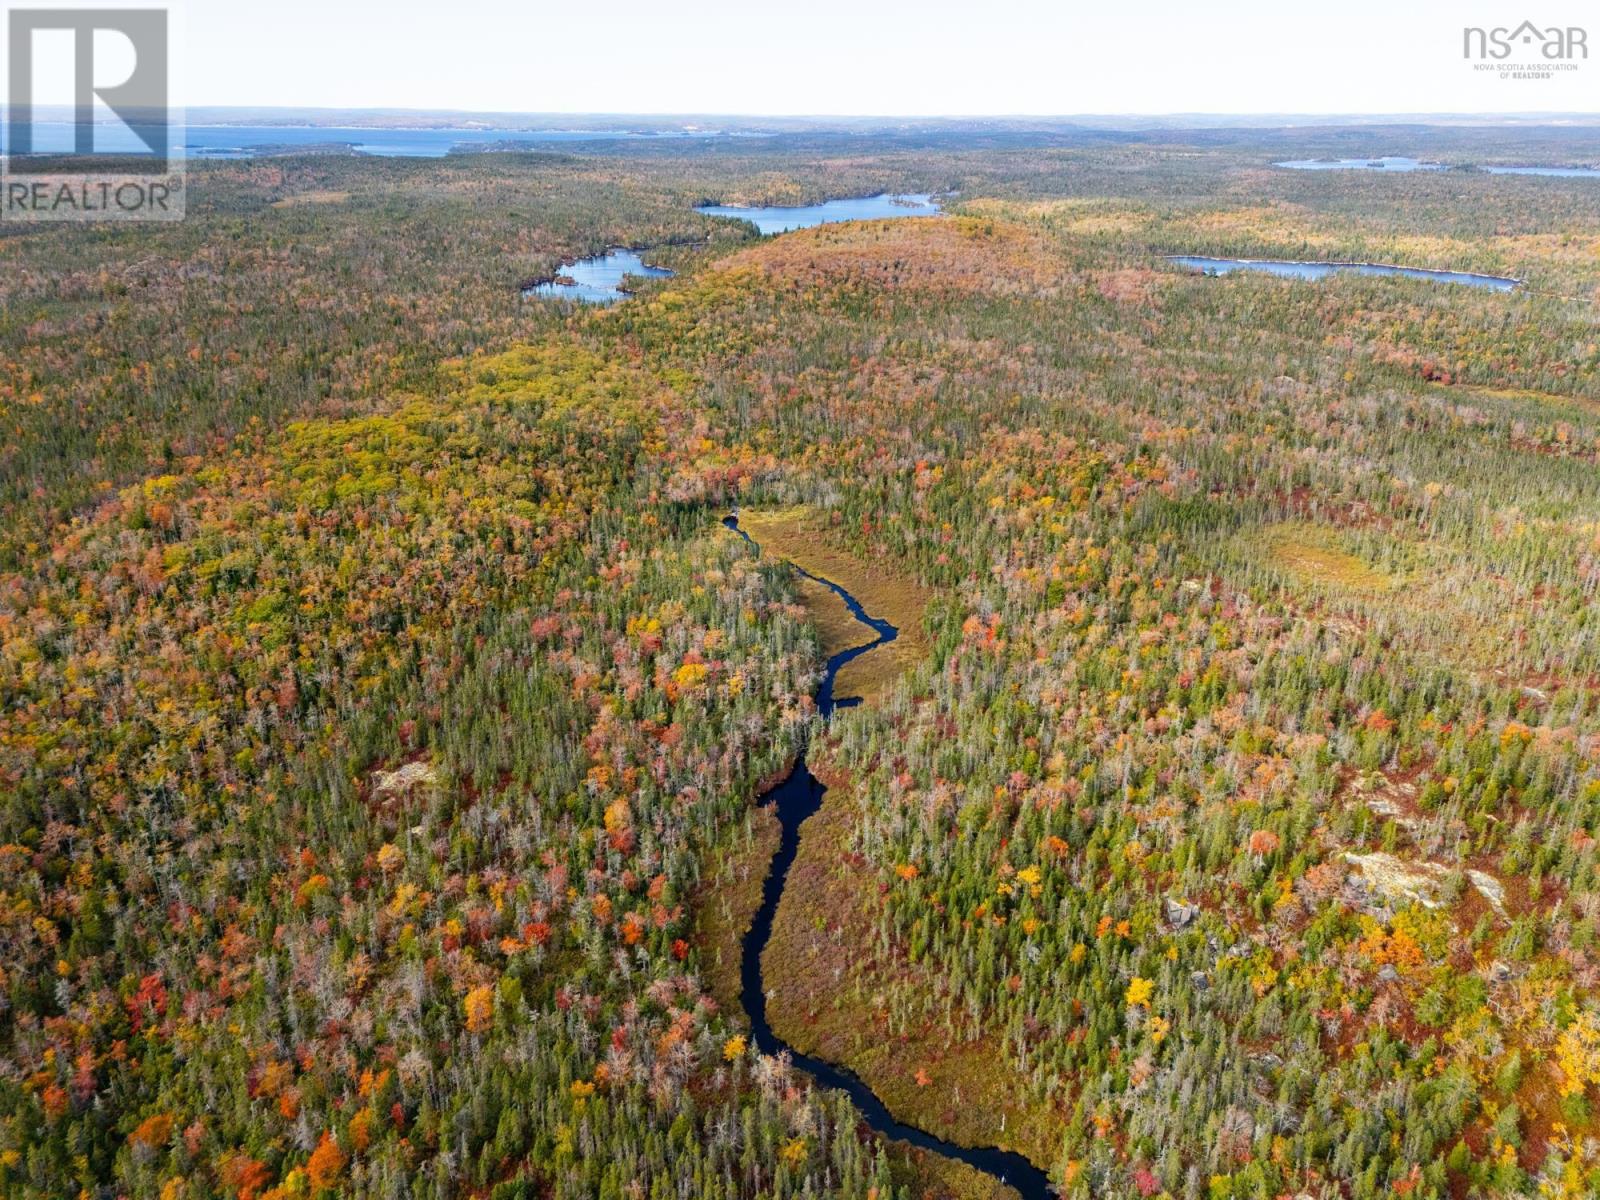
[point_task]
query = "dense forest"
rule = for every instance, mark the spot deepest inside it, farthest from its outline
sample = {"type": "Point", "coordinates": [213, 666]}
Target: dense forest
{"type": "Point", "coordinates": [384, 708]}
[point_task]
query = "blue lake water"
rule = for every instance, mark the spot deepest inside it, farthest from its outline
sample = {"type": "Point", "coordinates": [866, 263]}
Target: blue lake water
{"type": "Point", "coordinates": [1564, 172]}
{"type": "Point", "coordinates": [863, 208]}
{"type": "Point", "coordinates": [245, 141]}
{"type": "Point", "coordinates": [1388, 162]}
{"type": "Point", "coordinates": [1321, 270]}
{"type": "Point", "coordinates": [598, 280]}
{"type": "Point", "coordinates": [1395, 163]}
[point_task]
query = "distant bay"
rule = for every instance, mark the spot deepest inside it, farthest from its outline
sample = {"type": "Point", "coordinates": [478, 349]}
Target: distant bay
{"type": "Point", "coordinates": [250, 141]}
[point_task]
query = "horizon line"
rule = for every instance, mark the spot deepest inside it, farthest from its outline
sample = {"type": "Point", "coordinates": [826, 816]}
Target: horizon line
{"type": "Point", "coordinates": [1282, 116]}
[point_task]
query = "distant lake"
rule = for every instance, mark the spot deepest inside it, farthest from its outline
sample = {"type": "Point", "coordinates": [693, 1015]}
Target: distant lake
{"type": "Point", "coordinates": [1321, 270]}
{"type": "Point", "coordinates": [246, 141]}
{"type": "Point", "coordinates": [865, 208]}
{"type": "Point", "coordinates": [1388, 162]}
{"type": "Point", "coordinates": [1565, 172]}
{"type": "Point", "coordinates": [1395, 163]}
{"type": "Point", "coordinates": [598, 280]}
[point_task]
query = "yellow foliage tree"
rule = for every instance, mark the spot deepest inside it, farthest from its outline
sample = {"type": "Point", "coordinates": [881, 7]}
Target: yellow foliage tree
{"type": "Point", "coordinates": [479, 1006]}
{"type": "Point", "coordinates": [1578, 1054]}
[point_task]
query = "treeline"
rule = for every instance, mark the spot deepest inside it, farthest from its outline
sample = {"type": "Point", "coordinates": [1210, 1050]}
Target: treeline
{"type": "Point", "coordinates": [1249, 794]}
{"type": "Point", "coordinates": [372, 719]}
{"type": "Point", "coordinates": [355, 806]}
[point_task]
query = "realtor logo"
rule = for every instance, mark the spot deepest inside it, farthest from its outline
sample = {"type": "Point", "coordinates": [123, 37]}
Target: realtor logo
{"type": "Point", "coordinates": [1555, 43]}
{"type": "Point", "coordinates": [101, 149]}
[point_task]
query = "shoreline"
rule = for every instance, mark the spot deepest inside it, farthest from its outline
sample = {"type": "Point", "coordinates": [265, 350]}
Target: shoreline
{"type": "Point", "coordinates": [1326, 262]}
{"type": "Point", "coordinates": [539, 281]}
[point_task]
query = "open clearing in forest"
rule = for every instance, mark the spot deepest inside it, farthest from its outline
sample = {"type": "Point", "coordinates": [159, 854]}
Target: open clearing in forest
{"type": "Point", "coordinates": [312, 198]}
{"type": "Point", "coordinates": [724, 910]}
{"type": "Point", "coordinates": [837, 628]}
{"type": "Point", "coordinates": [821, 980]}
{"type": "Point", "coordinates": [827, 995]}
{"type": "Point", "coordinates": [727, 905]}
{"type": "Point", "coordinates": [1311, 554]}
{"type": "Point", "coordinates": [800, 535]}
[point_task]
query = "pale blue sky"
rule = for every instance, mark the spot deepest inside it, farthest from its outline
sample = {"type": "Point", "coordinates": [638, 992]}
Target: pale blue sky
{"type": "Point", "coordinates": [856, 56]}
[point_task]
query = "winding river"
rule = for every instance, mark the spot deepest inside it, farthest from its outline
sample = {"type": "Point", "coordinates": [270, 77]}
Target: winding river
{"type": "Point", "coordinates": [796, 798]}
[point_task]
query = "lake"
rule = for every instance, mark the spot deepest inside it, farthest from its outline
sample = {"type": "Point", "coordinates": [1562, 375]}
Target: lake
{"type": "Point", "coordinates": [1395, 163]}
{"type": "Point", "coordinates": [1321, 270]}
{"type": "Point", "coordinates": [598, 280]}
{"type": "Point", "coordinates": [247, 141]}
{"type": "Point", "coordinates": [1388, 162]}
{"type": "Point", "coordinates": [778, 219]}
{"type": "Point", "coordinates": [1564, 172]}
